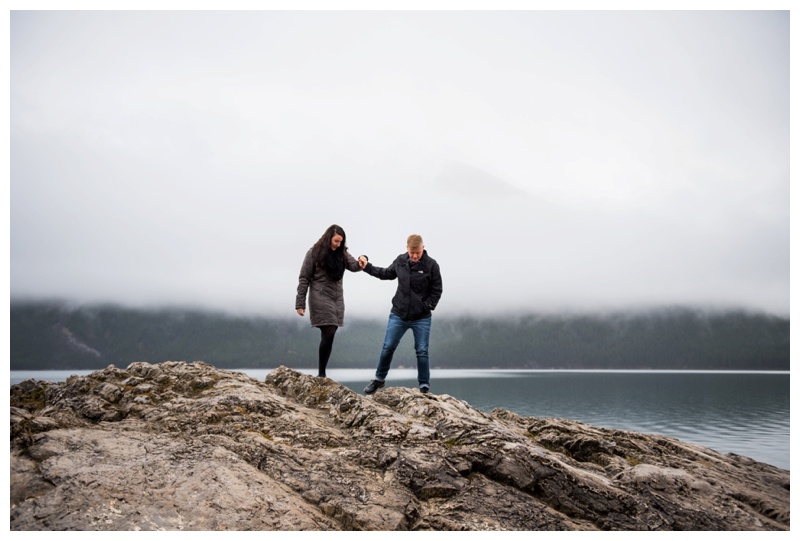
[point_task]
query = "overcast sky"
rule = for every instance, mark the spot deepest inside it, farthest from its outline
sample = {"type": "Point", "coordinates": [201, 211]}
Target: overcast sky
{"type": "Point", "coordinates": [550, 160]}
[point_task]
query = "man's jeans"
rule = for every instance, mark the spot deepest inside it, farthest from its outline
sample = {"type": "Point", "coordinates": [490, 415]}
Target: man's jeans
{"type": "Point", "coordinates": [395, 330]}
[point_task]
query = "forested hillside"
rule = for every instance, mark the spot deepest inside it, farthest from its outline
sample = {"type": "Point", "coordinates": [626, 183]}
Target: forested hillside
{"type": "Point", "coordinates": [49, 336]}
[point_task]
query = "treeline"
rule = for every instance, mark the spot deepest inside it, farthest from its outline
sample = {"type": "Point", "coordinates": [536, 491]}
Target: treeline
{"type": "Point", "coordinates": [51, 336]}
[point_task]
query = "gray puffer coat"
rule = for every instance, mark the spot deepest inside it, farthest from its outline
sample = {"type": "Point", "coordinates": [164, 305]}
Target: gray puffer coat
{"type": "Point", "coordinates": [326, 299]}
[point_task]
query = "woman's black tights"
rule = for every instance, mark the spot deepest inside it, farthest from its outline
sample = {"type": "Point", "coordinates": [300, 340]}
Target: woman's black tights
{"type": "Point", "coordinates": [325, 347]}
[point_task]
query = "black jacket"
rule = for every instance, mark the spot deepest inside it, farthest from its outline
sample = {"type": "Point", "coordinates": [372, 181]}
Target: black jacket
{"type": "Point", "coordinates": [419, 285]}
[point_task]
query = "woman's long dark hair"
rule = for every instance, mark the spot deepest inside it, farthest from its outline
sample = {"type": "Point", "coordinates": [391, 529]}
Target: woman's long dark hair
{"type": "Point", "coordinates": [332, 261]}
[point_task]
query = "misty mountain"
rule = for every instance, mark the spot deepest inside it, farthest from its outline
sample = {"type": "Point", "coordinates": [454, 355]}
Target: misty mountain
{"type": "Point", "coordinates": [52, 336]}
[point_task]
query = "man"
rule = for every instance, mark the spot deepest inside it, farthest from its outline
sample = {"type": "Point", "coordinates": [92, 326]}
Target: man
{"type": "Point", "coordinates": [419, 288]}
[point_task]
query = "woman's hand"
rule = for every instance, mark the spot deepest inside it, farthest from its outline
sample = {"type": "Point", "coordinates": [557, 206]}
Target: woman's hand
{"type": "Point", "coordinates": [301, 312]}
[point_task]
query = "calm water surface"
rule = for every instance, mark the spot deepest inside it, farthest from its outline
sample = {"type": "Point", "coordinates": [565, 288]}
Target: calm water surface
{"type": "Point", "coordinates": [746, 413]}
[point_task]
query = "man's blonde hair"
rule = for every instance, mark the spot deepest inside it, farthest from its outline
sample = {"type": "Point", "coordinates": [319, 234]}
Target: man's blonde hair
{"type": "Point", "coordinates": [414, 241]}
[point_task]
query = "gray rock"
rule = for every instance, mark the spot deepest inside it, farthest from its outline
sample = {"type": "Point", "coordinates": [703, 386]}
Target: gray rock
{"type": "Point", "coordinates": [184, 446]}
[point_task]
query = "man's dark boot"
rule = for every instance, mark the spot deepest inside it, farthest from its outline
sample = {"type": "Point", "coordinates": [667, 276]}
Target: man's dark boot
{"type": "Point", "coordinates": [373, 386]}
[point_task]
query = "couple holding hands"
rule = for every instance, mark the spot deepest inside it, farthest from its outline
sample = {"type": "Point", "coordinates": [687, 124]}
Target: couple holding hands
{"type": "Point", "coordinates": [419, 288]}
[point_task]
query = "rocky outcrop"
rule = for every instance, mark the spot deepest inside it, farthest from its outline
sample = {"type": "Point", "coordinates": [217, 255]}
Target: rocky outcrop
{"type": "Point", "coordinates": [184, 446]}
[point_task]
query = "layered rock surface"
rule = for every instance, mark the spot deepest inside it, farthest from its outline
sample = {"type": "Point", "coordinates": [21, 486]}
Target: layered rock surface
{"type": "Point", "coordinates": [184, 446]}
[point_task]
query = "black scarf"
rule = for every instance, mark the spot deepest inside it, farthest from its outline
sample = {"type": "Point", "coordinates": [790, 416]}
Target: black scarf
{"type": "Point", "coordinates": [334, 264]}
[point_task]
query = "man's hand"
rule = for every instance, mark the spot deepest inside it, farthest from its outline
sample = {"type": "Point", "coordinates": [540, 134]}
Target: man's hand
{"type": "Point", "coordinates": [362, 261]}
{"type": "Point", "coordinates": [301, 312]}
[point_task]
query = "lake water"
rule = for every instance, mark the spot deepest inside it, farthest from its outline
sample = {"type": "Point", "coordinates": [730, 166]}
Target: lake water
{"type": "Point", "coordinates": [746, 413]}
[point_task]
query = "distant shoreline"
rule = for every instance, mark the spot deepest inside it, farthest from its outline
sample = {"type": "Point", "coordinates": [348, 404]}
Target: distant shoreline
{"type": "Point", "coordinates": [397, 374]}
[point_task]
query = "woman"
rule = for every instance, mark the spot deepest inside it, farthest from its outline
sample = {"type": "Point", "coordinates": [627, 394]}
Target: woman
{"type": "Point", "coordinates": [322, 272]}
